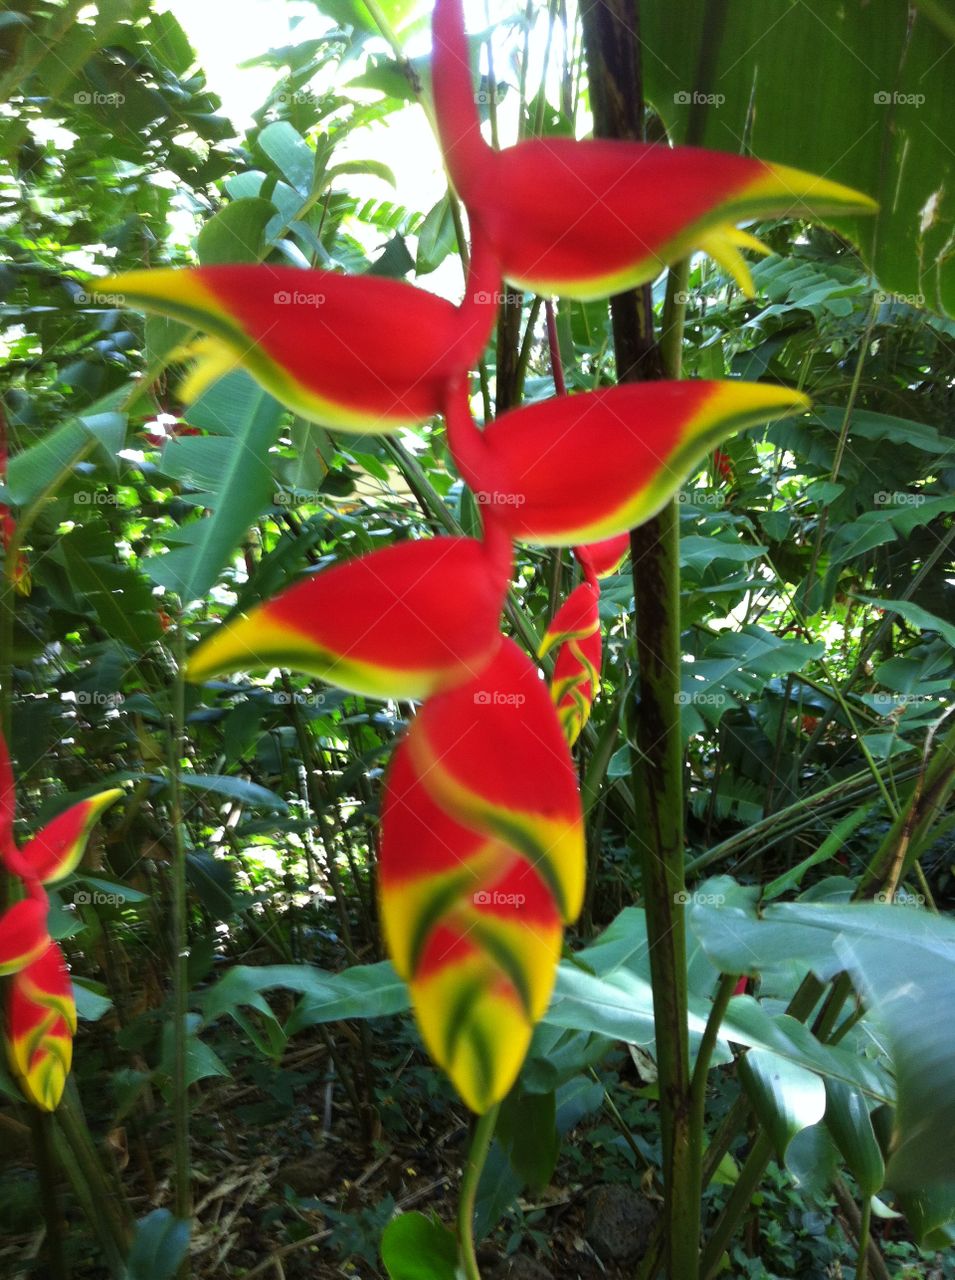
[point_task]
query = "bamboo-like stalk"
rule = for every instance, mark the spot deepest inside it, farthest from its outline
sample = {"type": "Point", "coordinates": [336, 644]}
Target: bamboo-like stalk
{"type": "Point", "coordinates": [611, 42]}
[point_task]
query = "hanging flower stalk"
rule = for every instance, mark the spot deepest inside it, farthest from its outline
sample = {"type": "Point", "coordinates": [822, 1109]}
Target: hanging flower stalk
{"type": "Point", "coordinates": [482, 857]}
{"type": "Point", "coordinates": [39, 1014]}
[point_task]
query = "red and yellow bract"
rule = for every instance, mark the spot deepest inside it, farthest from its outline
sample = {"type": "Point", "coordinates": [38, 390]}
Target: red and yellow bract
{"type": "Point", "coordinates": [41, 1021]}
{"type": "Point", "coordinates": [575, 629]}
{"type": "Point", "coordinates": [491, 752]}
{"type": "Point", "coordinates": [604, 558]}
{"type": "Point", "coordinates": [40, 1016]}
{"type": "Point", "coordinates": [584, 468]}
{"type": "Point", "coordinates": [586, 219]}
{"type": "Point", "coordinates": [403, 622]}
{"type": "Point", "coordinates": [360, 353]}
{"type": "Point", "coordinates": [474, 930]}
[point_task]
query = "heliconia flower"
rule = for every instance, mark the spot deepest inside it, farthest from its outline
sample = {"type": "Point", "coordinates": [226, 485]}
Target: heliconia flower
{"type": "Point", "coordinates": [587, 219]}
{"type": "Point", "coordinates": [723, 463]}
{"type": "Point", "coordinates": [56, 850]}
{"type": "Point", "coordinates": [360, 353]}
{"type": "Point", "coordinates": [40, 1022]}
{"type": "Point", "coordinates": [576, 679]}
{"type": "Point", "coordinates": [472, 928]}
{"type": "Point", "coordinates": [577, 618]}
{"type": "Point", "coordinates": [46, 982]}
{"type": "Point", "coordinates": [23, 933]}
{"type": "Point", "coordinates": [491, 753]}
{"type": "Point", "coordinates": [604, 558]}
{"type": "Point", "coordinates": [584, 468]}
{"type": "Point", "coordinates": [405, 621]}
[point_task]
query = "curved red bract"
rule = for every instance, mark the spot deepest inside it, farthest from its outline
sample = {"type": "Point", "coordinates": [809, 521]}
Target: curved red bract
{"type": "Point", "coordinates": [474, 930]}
{"type": "Point", "coordinates": [490, 751]}
{"type": "Point", "coordinates": [584, 219]}
{"type": "Point", "coordinates": [406, 621]}
{"type": "Point", "coordinates": [585, 468]}
{"type": "Point", "coordinates": [40, 1014]}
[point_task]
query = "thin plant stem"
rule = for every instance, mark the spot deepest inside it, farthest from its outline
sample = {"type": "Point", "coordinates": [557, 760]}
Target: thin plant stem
{"type": "Point", "coordinates": [46, 1163]}
{"type": "Point", "coordinates": [180, 945]}
{"type": "Point", "coordinates": [724, 993]}
{"type": "Point", "coordinates": [865, 1219]}
{"type": "Point", "coordinates": [477, 1155]}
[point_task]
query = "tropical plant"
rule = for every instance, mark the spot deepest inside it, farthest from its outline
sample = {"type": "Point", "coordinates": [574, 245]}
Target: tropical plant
{"type": "Point", "coordinates": [492, 835]}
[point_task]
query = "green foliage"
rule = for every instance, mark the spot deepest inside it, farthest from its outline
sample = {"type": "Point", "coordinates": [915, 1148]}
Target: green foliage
{"type": "Point", "coordinates": [817, 607]}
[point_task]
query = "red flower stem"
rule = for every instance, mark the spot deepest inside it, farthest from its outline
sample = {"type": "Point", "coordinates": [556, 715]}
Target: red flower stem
{"type": "Point", "coordinates": [553, 342]}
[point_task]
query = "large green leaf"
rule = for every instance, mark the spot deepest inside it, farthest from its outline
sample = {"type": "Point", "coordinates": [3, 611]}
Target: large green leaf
{"type": "Point", "coordinates": [861, 92]}
{"type": "Point", "coordinates": [847, 1115]}
{"type": "Point", "coordinates": [414, 1247]}
{"type": "Point", "coordinates": [159, 1246]}
{"type": "Point", "coordinates": [231, 474]}
{"type": "Point", "coordinates": [364, 991]}
{"type": "Point", "coordinates": [785, 1097]}
{"type": "Point", "coordinates": [902, 960]}
{"type": "Point", "coordinates": [118, 593]}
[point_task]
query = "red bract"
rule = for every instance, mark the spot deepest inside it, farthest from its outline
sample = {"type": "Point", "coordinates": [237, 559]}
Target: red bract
{"type": "Point", "coordinates": [402, 622]}
{"type": "Point", "coordinates": [586, 219]}
{"type": "Point", "coordinates": [473, 929]}
{"type": "Point", "coordinates": [56, 850]}
{"type": "Point", "coordinates": [40, 1013]}
{"type": "Point", "coordinates": [491, 753]}
{"type": "Point", "coordinates": [576, 630]}
{"type": "Point", "coordinates": [604, 558]}
{"type": "Point", "coordinates": [41, 1020]}
{"type": "Point", "coordinates": [360, 353]}
{"type": "Point", "coordinates": [583, 468]}
{"type": "Point", "coordinates": [23, 934]}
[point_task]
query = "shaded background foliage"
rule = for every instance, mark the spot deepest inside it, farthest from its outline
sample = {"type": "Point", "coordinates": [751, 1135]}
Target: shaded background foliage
{"type": "Point", "coordinates": [817, 601]}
